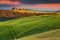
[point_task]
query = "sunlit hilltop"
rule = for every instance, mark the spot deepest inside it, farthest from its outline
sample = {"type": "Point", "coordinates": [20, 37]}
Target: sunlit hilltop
{"type": "Point", "coordinates": [30, 11]}
{"type": "Point", "coordinates": [17, 13]}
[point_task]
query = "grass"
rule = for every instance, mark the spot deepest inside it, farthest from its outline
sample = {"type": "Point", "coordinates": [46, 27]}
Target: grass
{"type": "Point", "coordinates": [18, 28]}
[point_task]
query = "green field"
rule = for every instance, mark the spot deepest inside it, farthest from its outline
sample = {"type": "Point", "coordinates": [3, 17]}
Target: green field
{"type": "Point", "coordinates": [27, 26]}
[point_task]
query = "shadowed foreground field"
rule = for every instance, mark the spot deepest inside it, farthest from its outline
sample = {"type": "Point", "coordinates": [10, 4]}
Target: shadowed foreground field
{"type": "Point", "coordinates": [27, 26]}
{"type": "Point", "coordinates": [50, 35]}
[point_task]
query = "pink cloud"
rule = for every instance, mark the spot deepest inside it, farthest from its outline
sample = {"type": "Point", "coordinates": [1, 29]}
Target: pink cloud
{"type": "Point", "coordinates": [42, 6]}
{"type": "Point", "coordinates": [10, 2]}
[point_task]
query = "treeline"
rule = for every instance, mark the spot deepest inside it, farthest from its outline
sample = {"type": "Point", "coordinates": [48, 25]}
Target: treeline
{"type": "Point", "coordinates": [12, 14]}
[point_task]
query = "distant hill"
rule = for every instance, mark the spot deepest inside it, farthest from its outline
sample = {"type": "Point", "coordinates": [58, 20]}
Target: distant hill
{"type": "Point", "coordinates": [58, 11]}
{"type": "Point", "coordinates": [45, 10]}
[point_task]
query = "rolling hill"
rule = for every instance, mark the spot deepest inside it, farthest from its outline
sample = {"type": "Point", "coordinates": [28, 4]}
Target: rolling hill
{"type": "Point", "coordinates": [26, 26]}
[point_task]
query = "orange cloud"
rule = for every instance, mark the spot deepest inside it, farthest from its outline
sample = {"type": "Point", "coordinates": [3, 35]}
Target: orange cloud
{"type": "Point", "coordinates": [42, 6]}
{"type": "Point", "coordinates": [10, 2]}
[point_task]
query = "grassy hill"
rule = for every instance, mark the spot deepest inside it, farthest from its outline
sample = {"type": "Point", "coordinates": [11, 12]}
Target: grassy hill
{"type": "Point", "coordinates": [22, 27]}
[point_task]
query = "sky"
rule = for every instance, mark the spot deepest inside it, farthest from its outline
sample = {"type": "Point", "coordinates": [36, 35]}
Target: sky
{"type": "Point", "coordinates": [37, 4]}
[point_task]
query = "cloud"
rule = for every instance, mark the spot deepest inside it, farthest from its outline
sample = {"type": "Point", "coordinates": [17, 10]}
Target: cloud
{"type": "Point", "coordinates": [10, 2]}
{"type": "Point", "coordinates": [31, 1]}
{"type": "Point", "coordinates": [39, 1]}
{"type": "Point", "coordinates": [42, 6]}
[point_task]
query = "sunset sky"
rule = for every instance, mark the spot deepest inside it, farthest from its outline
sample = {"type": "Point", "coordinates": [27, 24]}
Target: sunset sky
{"type": "Point", "coordinates": [38, 4]}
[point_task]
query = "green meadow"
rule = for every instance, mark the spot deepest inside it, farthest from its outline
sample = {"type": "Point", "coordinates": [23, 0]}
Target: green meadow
{"type": "Point", "coordinates": [29, 26]}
